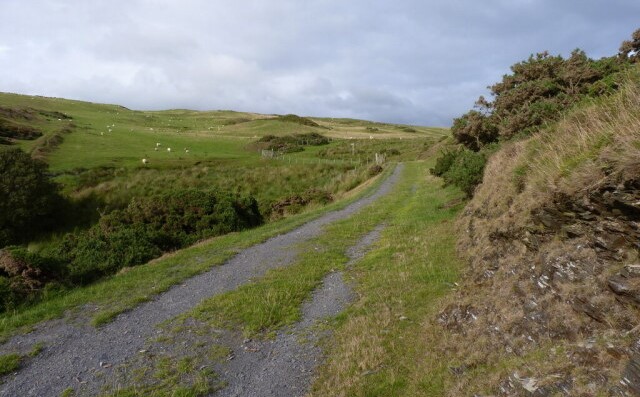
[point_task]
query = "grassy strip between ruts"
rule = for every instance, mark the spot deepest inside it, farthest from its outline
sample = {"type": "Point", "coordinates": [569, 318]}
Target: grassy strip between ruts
{"type": "Point", "coordinates": [133, 286]}
{"type": "Point", "coordinates": [386, 343]}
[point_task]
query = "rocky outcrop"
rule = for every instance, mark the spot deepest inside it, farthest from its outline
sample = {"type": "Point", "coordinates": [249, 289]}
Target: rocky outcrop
{"type": "Point", "coordinates": [555, 298]}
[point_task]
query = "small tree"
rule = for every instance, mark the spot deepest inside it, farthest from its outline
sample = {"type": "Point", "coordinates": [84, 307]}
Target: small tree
{"type": "Point", "coordinates": [28, 198]}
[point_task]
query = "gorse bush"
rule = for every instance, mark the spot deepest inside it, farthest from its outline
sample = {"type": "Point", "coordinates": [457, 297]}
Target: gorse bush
{"type": "Point", "coordinates": [292, 143]}
{"type": "Point", "coordinates": [444, 162]}
{"type": "Point", "coordinates": [29, 200]}
{"type": "Point", "coordinates": [152, 225]}
{"type": "Point", "coordinates": [462, 168]}
{"type": "Point", "coordinates": [145, 229]}
{"type": "Point", "coordinates": [538, 91]}
{"type": "Point", "coordinates": [24, 275]}
{"type": "Point", "coordinates": [97, 253]}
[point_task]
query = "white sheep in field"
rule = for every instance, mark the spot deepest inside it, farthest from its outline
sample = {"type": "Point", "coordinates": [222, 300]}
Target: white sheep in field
{"type": "Point", "coordinates": [155, 148]}
{"type": "Point", "coordinates": [145, 161]}
{"type": "Point", "coordinates": [186, 150]}
{"type": "Point", "coordinates": [101, 133]}
{"type": "Point", "coordinates": [157, 144]}
{"type": "Point", "coordinates": [168, 149]}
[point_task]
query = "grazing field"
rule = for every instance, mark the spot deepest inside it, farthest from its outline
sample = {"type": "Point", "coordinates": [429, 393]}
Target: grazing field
{"type": "Point", "coordinates": [96, 151]}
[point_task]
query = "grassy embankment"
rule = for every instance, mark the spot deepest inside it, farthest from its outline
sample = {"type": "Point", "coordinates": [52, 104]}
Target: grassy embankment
{"type": "Point", "coordinates": [541, 256]}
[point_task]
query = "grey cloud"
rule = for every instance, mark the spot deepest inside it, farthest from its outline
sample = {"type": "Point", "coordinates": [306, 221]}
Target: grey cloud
{"type": "Point", "coordinates": [410, 61]}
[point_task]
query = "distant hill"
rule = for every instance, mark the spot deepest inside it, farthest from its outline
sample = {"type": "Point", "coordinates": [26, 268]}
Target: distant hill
{"type": "Point", "coordinates": [71, 133]}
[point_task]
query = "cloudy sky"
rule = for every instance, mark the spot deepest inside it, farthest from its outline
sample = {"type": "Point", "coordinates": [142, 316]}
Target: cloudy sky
{"type": "Point", "coordinates": [411, 61]}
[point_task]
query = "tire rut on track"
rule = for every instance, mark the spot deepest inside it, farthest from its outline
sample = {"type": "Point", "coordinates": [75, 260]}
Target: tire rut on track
{"type": "Point", "coordinates": [284, 366]}
{"type": "Point", "coordinates": [75, 354]}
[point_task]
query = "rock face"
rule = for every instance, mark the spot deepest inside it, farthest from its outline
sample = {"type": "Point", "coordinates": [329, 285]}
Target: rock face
{"type": "Point", "coordinates": [553, 295]}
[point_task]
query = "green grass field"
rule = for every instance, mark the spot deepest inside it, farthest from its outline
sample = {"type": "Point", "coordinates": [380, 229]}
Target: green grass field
{"type": "Point", "coordinates": [110, 135]}
{"type": "Point", "coordinates": [99, 156]}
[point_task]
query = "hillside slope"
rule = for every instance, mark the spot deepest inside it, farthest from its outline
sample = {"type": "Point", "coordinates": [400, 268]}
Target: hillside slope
{"type": "Point", "coordinates": [550, 305]}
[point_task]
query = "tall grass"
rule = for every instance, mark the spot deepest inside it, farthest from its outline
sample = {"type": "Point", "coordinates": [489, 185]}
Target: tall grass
{"type": "Point", "coordinates": [382, 345]}
{"type": "Point", "coordinates": [608, 128]}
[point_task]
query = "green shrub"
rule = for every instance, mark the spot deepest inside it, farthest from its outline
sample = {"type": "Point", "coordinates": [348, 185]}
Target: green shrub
{"type": "Point", "coordinates": [374, 170]}
{"type": "Point", "coordinates": [28, 198]}
{"type": "Point", "coordinates": [444, 162]}
{"type": "Point", "coordinates": [292, 143]}
{"type": "Point", "coordinates": [463, 168]}
{"type": "Point", "coordinates": [95, 254]}
{"type": "Point", "coordinates": [292, 118]}
{"type": "Point", "coordinates": [466, 171]}
{"type": "Point", "coordinates": [8, 298]}
{"type": "Point", "coordinates": [152, 225]}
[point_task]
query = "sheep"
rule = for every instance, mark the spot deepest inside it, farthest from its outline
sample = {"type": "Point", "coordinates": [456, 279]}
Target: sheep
{"type": "Point", "coordinates": [145, 161]}
{"type": "Point", "coordinates": [155, 148]}
{"type": "Point", "coordinates": [158, 144]}
{"type": "Point", "coordinates": [186, 150]}
{"type": "Point", "coordinates": [168, 149]}
{"type": "Point", "coordinates": [101, 133]}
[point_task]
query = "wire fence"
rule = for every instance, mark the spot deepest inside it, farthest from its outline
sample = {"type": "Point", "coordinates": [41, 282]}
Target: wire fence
{"type": "Point", "coordinates": [356, 162]}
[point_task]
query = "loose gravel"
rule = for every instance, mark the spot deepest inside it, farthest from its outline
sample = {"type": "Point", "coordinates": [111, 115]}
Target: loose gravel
{"type": "Point", "coordinates": [284, 366]}
{"type": "Point", "coordinates": [79, 355]}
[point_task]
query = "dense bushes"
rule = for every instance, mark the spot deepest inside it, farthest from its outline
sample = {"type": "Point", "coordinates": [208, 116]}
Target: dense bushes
{"type": "Point", "coordinates": [23, 275]}
{"type": "Point", "coordinates": [292, 143]}
{"type": "Point", "coordinates": [295, 203]}
{"type": "Point", "coordinates": [150, 226]}
{"type": "Point", "coordinates": [292, 118]}
{"type": "Point", "coordinates": [462, 168]}
{"type": "Point", "coordinates": [29, 200]}
{"type": "Point", "coordinates": [537, 92]}
{"type": "Point", "coordinates": [142, 231]}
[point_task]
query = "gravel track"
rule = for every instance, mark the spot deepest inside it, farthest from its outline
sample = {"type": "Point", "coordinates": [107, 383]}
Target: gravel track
{"type": "Point", "coordinates": [283, 367]}
{"type": "Point", "coordinates": [78, 354]}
